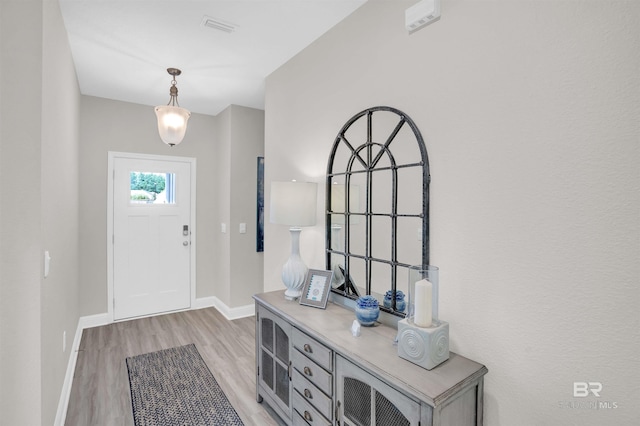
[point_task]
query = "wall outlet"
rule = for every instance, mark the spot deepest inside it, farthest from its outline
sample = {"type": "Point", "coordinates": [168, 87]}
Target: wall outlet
{"type": "Point", "coordinates": [64, 341]}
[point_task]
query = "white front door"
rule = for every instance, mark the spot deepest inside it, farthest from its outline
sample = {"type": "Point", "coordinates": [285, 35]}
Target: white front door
{"type": "Point", "coordinates": [151, 236]}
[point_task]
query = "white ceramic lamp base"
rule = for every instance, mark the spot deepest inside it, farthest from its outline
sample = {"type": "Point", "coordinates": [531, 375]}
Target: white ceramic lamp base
{"type": "Point", "coordinates": [294, 270]}
{"type": "Point", "coordinates": [293, 274]}
{"type": "Point", "coordinates": [423, 346]}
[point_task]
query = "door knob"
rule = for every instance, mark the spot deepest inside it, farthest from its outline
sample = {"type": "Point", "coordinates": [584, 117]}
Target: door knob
{"type": "Point", "coordinates": [185, 243]}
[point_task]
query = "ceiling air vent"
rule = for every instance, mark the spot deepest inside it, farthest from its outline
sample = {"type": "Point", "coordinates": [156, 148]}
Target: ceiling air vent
{"type": "Point", "coordinates": [217, 24]}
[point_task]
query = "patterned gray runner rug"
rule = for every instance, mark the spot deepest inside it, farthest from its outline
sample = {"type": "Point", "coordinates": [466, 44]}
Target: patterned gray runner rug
{"type": "Point", "coordinates": [175, 387]}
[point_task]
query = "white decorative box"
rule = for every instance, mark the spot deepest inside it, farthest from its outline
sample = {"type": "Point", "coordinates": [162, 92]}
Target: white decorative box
{"type": "Point", "coordinates": [424, 346]}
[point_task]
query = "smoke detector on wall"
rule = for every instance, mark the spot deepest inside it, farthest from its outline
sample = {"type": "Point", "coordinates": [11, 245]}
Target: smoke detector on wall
{"type": "Point", "coordinates": [421, 14]}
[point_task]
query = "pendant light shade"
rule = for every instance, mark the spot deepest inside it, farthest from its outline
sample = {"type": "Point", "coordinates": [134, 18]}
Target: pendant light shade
{"type": "Point", "coordinates": [172, 123]}
{"type": "Point", "coordinates": [172, 119]}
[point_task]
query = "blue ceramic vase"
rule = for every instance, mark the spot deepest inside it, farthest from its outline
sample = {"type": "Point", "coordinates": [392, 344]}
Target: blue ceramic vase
{"type": "Point", "coordinates": [367, 310]}
{"type": "Point", "coordinates": [400, 302]}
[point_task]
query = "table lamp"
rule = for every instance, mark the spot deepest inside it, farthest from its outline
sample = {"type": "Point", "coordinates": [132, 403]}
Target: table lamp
{"type": "Point", "coordinates": [294, 204]}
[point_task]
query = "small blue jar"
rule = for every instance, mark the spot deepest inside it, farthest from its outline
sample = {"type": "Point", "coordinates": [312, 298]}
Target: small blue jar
{"type": "Point", "coordinates": [367, 310]}
{"type": "Point", "coordinates": [400, 302]}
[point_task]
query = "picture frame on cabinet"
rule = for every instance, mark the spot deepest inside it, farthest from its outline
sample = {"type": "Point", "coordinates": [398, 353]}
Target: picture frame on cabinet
{"type": "Point", "coordinates": [315, 291]}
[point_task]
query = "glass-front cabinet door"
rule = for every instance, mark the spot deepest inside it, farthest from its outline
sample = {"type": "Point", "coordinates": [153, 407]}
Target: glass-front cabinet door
{"type": "Point", "coordinates": [274, 359]}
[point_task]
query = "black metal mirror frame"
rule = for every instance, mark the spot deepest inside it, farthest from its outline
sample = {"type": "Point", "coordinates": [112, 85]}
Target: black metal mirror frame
{"type": "Point", "coordinates": [363, 154]}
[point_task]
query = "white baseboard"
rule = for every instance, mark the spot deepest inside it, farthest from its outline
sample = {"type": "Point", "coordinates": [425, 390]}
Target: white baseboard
{"type": "Point", "coordinates": [91, 321]}
{"type": "Point", "coordinates": [204, 302]}
{"type": "Point", "coordinates": [227, 312]}
{"type": "Point", "coordinates": [83, 322]}
{"type": "Point", "coordinates": [233, 313]}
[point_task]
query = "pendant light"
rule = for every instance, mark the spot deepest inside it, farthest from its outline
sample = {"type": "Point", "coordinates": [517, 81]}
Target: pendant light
{"type": "Point", "coordinates": [172, 119]}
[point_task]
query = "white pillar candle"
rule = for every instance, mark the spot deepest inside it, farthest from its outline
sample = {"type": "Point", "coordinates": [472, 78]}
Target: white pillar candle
{"type": "Point", "coordinates": [423, 304]}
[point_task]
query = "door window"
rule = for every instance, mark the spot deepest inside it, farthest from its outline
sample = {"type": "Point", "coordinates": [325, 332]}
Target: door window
{"type": "Point", "coordinates": [152, 188]}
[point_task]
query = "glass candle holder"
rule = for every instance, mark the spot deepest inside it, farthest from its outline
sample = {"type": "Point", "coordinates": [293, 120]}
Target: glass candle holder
{"type": "Point", "coordinates": [423, 297]}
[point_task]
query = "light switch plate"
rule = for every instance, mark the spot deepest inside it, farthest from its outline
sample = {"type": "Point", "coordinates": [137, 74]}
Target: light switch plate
{"type": "Point", "coordinates": [47, 263]}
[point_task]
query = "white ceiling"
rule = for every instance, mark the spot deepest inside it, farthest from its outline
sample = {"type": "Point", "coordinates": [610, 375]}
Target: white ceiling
{"type": "Point", "coordinates": [122, 48]}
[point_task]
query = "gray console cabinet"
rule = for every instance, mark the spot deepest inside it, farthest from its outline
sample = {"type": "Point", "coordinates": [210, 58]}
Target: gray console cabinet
{"type": "Point", "coordinates": [273, 358]}
{"type": "Point", "coordinates": [312, 371]}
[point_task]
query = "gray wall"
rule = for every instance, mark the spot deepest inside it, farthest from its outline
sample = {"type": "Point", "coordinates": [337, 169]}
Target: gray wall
{"type": "Point", "coordinates": [20, 232]}
{"type": "Point", "coordinates": [225, 148]}
{"type": "Point", "coordinates": [240, 267]}
{"type": "Point", "coordinates": [60, 204]}
{"type": "Point", "coordinates": [108, 125]}
{"type": "Point", "coordinates": [530, 115]}
{"type": "Point", "coordinates": [39, 210]}
{"type": "Point", "coordinates": [222, 255]}
{"type": "Point", "coordinates": [246, 263]}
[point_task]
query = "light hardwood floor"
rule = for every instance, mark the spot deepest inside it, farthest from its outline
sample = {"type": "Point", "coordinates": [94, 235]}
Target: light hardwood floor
{"type": "Point", "coordinates": [100, 389]}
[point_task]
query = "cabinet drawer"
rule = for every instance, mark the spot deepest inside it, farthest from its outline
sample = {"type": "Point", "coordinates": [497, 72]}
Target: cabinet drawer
{"type": "Point", "coordinates": [313, 372]}
{"type": "Point", "coordinates": [303, 409]}
{"type": "Point", "coordinates": [314, 350]}
{"type": "Point", "coordinates": [298, 420]}
{"type": "Point", "coordinates": [312, 394]}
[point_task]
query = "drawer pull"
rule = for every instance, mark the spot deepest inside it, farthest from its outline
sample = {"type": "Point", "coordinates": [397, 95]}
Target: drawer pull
{"type": "Point", "coordinates": [307, 416]}
{"type": "Point", "coordinates": [307, 348]}
{"type": "Point", "coordinates": [307, 393]}
{"type": "Point", "coordinates": [308, 372]}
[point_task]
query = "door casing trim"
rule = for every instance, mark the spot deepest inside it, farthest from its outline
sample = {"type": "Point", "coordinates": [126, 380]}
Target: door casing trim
{"type": "Point", "coordinates": [112, 156]}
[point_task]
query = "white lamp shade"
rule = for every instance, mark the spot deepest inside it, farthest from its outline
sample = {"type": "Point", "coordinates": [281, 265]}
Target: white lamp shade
{"type": "Point", "coordinates": [293, 203]}
{"type": "Point", "coordinates": [172, 123]}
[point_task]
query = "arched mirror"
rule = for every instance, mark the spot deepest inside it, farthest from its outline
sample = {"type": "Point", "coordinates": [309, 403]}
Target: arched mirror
{"type": "Point", "coordinates": [377, 205]}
